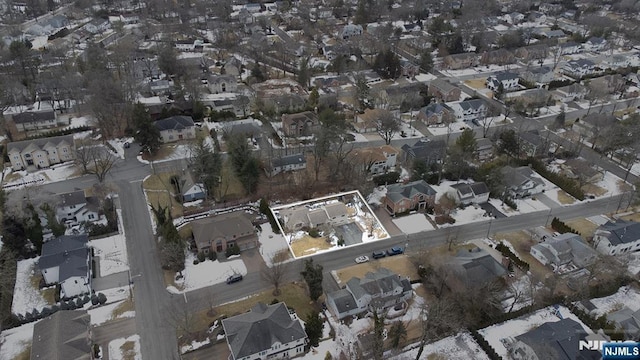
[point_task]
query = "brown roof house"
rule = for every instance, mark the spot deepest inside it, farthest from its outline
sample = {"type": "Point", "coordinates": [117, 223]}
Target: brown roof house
{"type": "Point", "coordinates": [300, 124]}
{"type": "Point", "coordinates": [460, 61]}
{"type": "Point", "coordinates": [377, 160]}
{"type": "Point", "coordinates": [368, 121]}
{"type": "Point", "coordinates": [220, 232]}
{"type": "Point", "coordinates": [443, 90]}
{"type": "Point", "coordinates": [435, 114]}
{"type": "Point", "coordinates": [334, 214]}
{"type": "Point", "coordinates": [416, 195]}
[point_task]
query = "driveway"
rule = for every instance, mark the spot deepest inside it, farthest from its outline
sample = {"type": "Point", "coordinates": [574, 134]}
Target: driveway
{"type": "Point", "coordinates": [547, 201]}
{"type": "Point", "coordinates": [492, 210]}
{"type": "Point", "coordinates": [120, 328]}
{"type": "Point", "coordinates": [219, 350]}
{"type": "Point", "coordinates": [350, 233]}
{"type": "Point", "coordinates": [386, 221]}
{"type": "Point", "coordinates": [110, 281]}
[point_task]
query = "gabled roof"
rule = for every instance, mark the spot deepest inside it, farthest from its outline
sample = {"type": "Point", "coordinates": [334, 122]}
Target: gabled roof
{"type": "Point", "coordinates": [374, 283]}
{"type": "Point", "coordinates": [620, 232]}
{"type": "Point", "coordinates": [505, 75]}
{"type": "Point", "coordinates": [178, 122]}
{"type": "Point", "coordinates": [229, 226]}
{"type": "Point", "coordinates": [477, 267]}
{"type": "Point", "coordinates": [344, 300]}
{"type": "Point", "coordinates": [442, 85]}
{"type": "Point", "coordinates": [426, 149]}
{"type": "Point", "coordinates": [295, 159]}
{"type": "Point", "coordinates": [397, 192]}
{"type": "Point", "coordinates": [518, 176]}
{"type": "Point", "coordinates": [72, 198]}
{"type": "Point", "coordinates": [472, 104]}
{"type": "Point", "coordinates": [259, 329]}
{"type": "Point", "coordinates": [62, 336]}
{"type": "Point", "coordinates": [435, 109]}
{"type": "Point", "coordinates": [558, 340]}
{"type": "Point", "coordinates": [40, 143]}
{"type": "Point", "coordinates": [67, 252]}
{"type": "Point", "coordinates": [34, 116]}
{"type": "Point", "coordinates": [336, 209]}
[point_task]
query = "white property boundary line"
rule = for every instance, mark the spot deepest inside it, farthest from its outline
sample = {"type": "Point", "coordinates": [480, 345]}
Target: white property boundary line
{"type": "Point", "coordinates": [333, 196]}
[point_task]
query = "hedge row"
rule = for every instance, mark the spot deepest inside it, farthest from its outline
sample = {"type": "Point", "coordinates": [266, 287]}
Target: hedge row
{"type": "Point", "coordinates": [510, 203]}
{"type": "Point", "coordinates": [484, 345]}
{"type": "Point", "coordinates": [60, 132]}
{"type": "Point", "coordinates": [559, 226]}
{"type": "Point", "coordinates": [570, 186]}
{"type": "Point", "coordinates": [523, 265]}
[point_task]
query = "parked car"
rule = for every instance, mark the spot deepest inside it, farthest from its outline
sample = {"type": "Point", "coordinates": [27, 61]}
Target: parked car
{"type": "Point", "coordinates": [234, 278]}
{"type": "Point", "coordinates": [378, 254]}
{"type": "Point", "coordinates": [396, 250]}
{"type": "Point", "coordinates": [362, 259]}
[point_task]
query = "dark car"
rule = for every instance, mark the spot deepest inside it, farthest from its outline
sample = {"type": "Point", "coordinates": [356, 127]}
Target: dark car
{"type": "Point", "coordinates": [378, 254]}
{"type": "Point", "coordinates": [396, 250]}
{"type": "Point", "coordinates": [234, 278]}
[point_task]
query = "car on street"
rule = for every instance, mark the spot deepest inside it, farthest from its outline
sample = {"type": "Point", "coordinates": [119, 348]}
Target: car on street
{"type": "Point", "coordinates": [362, 259]}
{"type": "Point", "coordinates": [378, 254]}
{"type": "Point", "coordinates": [396, 250]}
{"type": "Point", "coordinates": [234, 278]}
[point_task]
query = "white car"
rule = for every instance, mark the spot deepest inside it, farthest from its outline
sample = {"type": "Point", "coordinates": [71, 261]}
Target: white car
{"type": "Point", "coordinates": [362, 259]}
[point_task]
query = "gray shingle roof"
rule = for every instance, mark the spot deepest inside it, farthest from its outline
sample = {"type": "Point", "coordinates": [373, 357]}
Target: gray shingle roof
{"type": "Point", "coordinates": [295, 159]}
{"type": "Point", "coordinates": [558, 340]}
{"type": "Point", "coordinates": [472, 104]}
{"type": "Point", "coordinates": [374, 283]}
{"type": "Point", "coordinates": [478, 267]}
{"type": "Point", "coordinates": [62, 336]}
{"type": "Point", "coordinates": [260, 328]}
{"type": "Point", "coordinates": [72, 198]}
{"type": "Point", "coordinates": [53, 250]}
{"type": "Point", "coordinates": [344, 300]}
{"type": "Point", "coordinates": [179, 122]}
{"type": "Point", "coordinates": [40, 143]}
{"type": "Point", "coordinates": [621, 232]}
{"type": "Point", "coordinates": [397, 192]}
{"type": "Point", "coordinates": [233, 225]}
{"type": "Point", "coordinates": [34, 116]}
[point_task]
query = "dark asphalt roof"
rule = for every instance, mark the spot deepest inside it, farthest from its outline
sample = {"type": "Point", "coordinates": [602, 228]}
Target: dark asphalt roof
{"type": "Point", "coordinates": [62, 336]}
{"type": "Point", "coordinates": [621, 231]}
{"type": "Point", "coordinates": [178, 122]}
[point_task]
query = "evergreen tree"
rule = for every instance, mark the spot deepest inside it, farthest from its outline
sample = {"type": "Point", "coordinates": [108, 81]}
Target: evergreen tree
{"type": "Point", "coordinates": [426, 61]}
{"type": "Point", "coordinates": [147, 134]}
{"type": "Point", "coordinates": [313, 327]}
{"type": "Point", "coordinates": [312, 274]}
{"type": "Point", "coordinates": [466, 142]}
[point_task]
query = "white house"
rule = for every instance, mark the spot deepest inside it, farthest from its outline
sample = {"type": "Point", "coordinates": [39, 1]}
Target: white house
{"type": "Point", "coordinates": [176, 128]}
{"type": "Point", "coordinates": [75, 207]}
{"type": "Point", "coordinates": [40, 153]}
{"type": "Point", "coordinates": [469, 110]}
{"type": "Point", "coordinates": [565, 252]}
{"type": "Point", "coordinates": [474, 193]}
{"type": "Point", "coordinates": [579, 68]}
{"type": "Point", "coordinates": [97, 25]}
{"type": "Point", "coordinates": [222, 84]}
{"type": "Point", "coordinates": [35, 120]}
{"type": "Point", "coordinates": [569, 48]}
{"type": "Point", "coordinates": [522, 181]}
{"type": "Point", "coordinates": [619, 237]}
{"type": "Point", "coordinates": [265, 332]}
{"type": "Point", "coordinates": [376, 291]}
{"type": "Point", "coordinates": [508, 80]}
{"type": "Point", "coordinates": [350, 30]}
{"type": "Point", "coordinates": [377, 160]}
{"type": "Point", "coordinates": [595, 44]}
{"type": "Point", "coordinates": [66, 261]}
{"type": "Point", "coordinates": [287, 163]}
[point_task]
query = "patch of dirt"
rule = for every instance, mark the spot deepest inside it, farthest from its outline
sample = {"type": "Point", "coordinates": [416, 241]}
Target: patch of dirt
{"type": "Point", "coordinates": [400, 264]}
{"type": "Point", "coordinates": [585, 227]}
{"type": "Point", "coordinates": [309, 245]}
{"type": "Point", "coordinates": [476, 83]}
{"type": "Point", "coordinates": [565, 198]}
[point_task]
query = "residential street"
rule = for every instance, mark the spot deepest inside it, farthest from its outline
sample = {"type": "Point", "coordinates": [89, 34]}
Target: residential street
{"type": "Point", "coordinates": [120, 328]}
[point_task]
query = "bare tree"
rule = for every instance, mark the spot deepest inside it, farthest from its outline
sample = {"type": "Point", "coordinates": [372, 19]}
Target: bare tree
{"type": "Point", "coordinates": [182, 318]}
{"type": "Point", "coordinates": [439, 319]}
{"type": "Point", "coordinates": [387, 125]}
{"type": "Point", "coordinates": [84, 154]}
{"type": "Point", "coordinates": [101, 163]}
{"type": "Point", "coordinates": [276, 273]}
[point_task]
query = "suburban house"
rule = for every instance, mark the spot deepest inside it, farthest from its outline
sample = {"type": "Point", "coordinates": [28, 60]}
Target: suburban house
{"type": "Point", "coordinates": [538, 75]}
{"type": "Point", "coordinates": [507, 80]}
{"type": "Point", "coordinates": [378, 290]}
{"type": "Point", "coordinates": [350, 30]}
{"type": "Point", "coordinates": [564, 253]}
{"type": "Point", "coordinates": [580, 68]}
{"type": "Point", "coordinates": [40, 153]}
{"type": "Point", "coordinates": [474, 193]}
{"type": "Point", "coordinates": [74, 207]}
{"type": "Point", "coordinates": [402, 96]}
{"type": "Point", "coordinates": [591, 125]}
{"type": "Point", "coordinates": [416, 195]}
{"type": "Point", "coordinates": [160, 87]}
{"type": "Point", "coordinates": [66, 260]}
{"type": "Point", "coordinates": [435, 114]}
{"type": "Point", "coordinates": [552, 340]}
{"type": "Point", "coordinates": [484, 149]}
{"type": "Point", "coordinates": [497, 57]}
{"type": "Point", "coordinates": [460, 61]}
{"type": "Point", "coordinates": [443, 90]}
{"type": "Point", "coordinates": [265, 332]}
{"type": "Point", "coordinates": [334, 213]}
{"type": "Point", "coordinates": [470, 110]}
{"type": "Point", "coordinates": [616, 61]}
{"type": "Point", "coordinates": [286, 163]}
{"type": "Point", "coordinates": [66, 334]}
{"type": "Point", "coordinates": [521, 181]}
{"type": "Point", "coordinates": [569, 93]}
{"type": "Point", "coordinates": [377, 160]}
{"type": "Point", "coordinates": [627, 320]}
{"type": "Point", "coordinates": [532, 144]}
{"type": "Point", "coordinates": [476, 267]}
{"type": "Point", "coordinates": [608, 83]}
{"type": "Point", "coordinates": [619, 237]}
{"type": "Point", "coordinates": [583, 171]}
{"type": "Point", "coordinates": [222, 84]}
{"type": "Point", "coordinates": [220, 232]}
{"type": "Point", "coordinates": [97, 25]}
{"type": "Point", "coordinates": [35, 120]}
{"type": "Point", "coordinates": [532, 52]}
{"type": "Point", "coordinates": [595, 44]}
{"type": "Point", "coordinates": [299, 124]}
{"type": "Point", "coordinates": [367, 122]}
{"type": "Point", "coordinates": [427, 150]}
{"type": "Point", "coordinates": [176, 128]}
{"type": "Point", "coordinates": [191, 190]}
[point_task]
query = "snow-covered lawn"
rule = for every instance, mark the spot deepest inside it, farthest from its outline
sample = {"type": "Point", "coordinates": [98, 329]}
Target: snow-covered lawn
{"type": "Point", "coordinates": [625, 296]}
{"type": "Point", "coordinates": [181, 151]}
{"type": "Point", "coordinates": [524, 206]}
{"type": "Point", "coordinates": [102, 314]}
{"type": "Point", "coordinates": [375, 198]}
{"type": "Point", "coordinates": [495, 334]}
{"type": "Point", "coordinates": [454, 127]}
{"type": "Point", "coordinates": [469, 214]}
{"type": "Point", "coordinates": [194, 345]}
{"type": "Point", "coordinates": [208, 273]}
{"type": "Point", "coordinates": [112, 251]}
{"type": "Point", "coordinates": [270, 243]}
{"type": "Point", "coordinates": [26, 297]}
{"type": "Point", "coordinates": [16, 340]}
{"type": "Point", "coordinates": [54, 173]}
{"type": "Point", "coordinates": [118, 144]}
{"type": "Point", "coordinates": [459, 346]}
{"type": "Point", "coordinates": [118, 349]}
{"type": "Point", "coordinates": [413, 223]}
